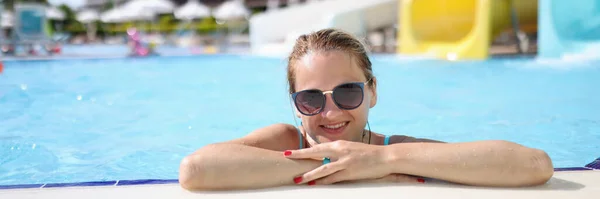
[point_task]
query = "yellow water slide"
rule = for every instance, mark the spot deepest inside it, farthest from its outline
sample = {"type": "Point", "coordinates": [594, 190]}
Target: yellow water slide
{"type": "Point", "coordinates": [459, 29]}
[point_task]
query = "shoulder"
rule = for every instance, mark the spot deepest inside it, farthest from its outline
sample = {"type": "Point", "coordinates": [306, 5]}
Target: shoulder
{"type": "Point", "coordinates": [279, 128]}
{"type": "Point", "coordinates": [279, 136]}
{"type": "Point", "coordinates": [395, 139]}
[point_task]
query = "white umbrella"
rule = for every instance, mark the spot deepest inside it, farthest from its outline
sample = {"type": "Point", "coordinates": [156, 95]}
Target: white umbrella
{"type": "Point", "coordinates": [55, 13]}
{"type": "Point", "coordinates": [7, 19]}
{"type": "Point", "coordinates": [193, 9]}
{"type": "Point", "coordinates": [231, 10]}
{"type": "Point", "coordinates": [114, 15]}
{"type": "Point", "coordinates": [86, 16]}
{"type": "Point", "coordinates": [155, 6]}
{"type": "Point", "coordinates": [129, 13]}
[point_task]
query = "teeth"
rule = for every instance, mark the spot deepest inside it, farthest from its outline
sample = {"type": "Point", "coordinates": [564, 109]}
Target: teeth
{"type": "Point", "coordinates": [335, 126]}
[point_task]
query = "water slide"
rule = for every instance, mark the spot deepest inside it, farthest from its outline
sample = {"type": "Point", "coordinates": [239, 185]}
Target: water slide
{"type": "Point", "coordinates": [274, 32]}
{"type": "Point", "coordinates": [569, 27]}
{"type": "Point", "coordinates": [460, 29]}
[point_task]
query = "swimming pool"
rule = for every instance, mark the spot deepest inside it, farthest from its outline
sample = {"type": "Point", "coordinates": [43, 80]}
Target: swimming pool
{"type": "Point", "coordinates": [119, 119]}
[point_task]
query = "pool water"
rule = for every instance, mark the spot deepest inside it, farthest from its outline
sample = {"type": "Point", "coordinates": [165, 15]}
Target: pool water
{"type": "Point", "coordinates": [116, 119]}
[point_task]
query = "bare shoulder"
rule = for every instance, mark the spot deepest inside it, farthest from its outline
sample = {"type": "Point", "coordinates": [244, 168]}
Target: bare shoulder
{"type": "Point", "coordinates": [278, 137]}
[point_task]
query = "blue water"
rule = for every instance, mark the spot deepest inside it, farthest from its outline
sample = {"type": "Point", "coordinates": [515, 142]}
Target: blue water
{"type": "Point", "coordinates": [115, 119]}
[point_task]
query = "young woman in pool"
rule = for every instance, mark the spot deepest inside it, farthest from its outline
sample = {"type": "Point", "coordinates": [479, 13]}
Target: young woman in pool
{"type": "Point", "coordinates": [332, 87]}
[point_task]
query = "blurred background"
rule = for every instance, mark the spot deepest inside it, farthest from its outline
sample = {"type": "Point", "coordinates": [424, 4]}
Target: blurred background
{"type": "Point", "coordinates": [461, 29]}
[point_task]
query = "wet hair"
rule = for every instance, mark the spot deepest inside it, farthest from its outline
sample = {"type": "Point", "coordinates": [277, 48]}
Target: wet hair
{"type": "Point", "coordinates": [328, 40]}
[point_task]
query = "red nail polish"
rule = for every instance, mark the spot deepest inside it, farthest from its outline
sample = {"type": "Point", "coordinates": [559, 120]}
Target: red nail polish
{"type": "Point", "coordinates": [287, 153]}
{"type": "Point", "coordinates": [298, 179]}
{"type": "Point", "coordinates": [421, 180]}
{"type": "Point", "coordinates": [311, 183]}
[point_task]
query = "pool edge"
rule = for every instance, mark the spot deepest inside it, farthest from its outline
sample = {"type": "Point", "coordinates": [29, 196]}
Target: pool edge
{"type": "Point", "coordinates": [167, 181]}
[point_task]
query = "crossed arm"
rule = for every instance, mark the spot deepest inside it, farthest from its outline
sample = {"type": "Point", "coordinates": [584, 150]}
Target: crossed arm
{"type": "Point", "coordinates": [256, 162]}
{"type": "Point", "coordinates": [481, 163]}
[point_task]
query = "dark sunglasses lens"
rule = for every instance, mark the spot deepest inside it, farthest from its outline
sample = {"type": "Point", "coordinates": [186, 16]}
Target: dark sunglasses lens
{"type": "Point", "coordinates": [348, 96]}
{"type": "Point", "coordinates": [309, 102]}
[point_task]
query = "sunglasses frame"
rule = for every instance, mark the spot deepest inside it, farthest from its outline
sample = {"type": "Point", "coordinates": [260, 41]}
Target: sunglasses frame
{"type": "Point", "coordinates": [361, 85]}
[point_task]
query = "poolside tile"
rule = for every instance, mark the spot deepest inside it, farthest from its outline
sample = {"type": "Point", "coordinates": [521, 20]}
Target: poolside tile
{"type": "Point", "coordinates": [81, 184]}
{"type": "Point", "coordinates": [21, 186]}
{"type": "Point", "coordinates": [594, 165]}
{"type": "Point", "coordinates": [147, 181]}
{"type": "Point", "coordinates": [571, 169]}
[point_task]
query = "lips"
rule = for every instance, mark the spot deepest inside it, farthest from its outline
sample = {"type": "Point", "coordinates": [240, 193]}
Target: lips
{"type": "Point", "coordinates": [334, 128]}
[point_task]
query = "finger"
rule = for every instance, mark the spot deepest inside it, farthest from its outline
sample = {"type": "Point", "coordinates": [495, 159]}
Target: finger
{"type": "Point", "coordinates": [320, 172]}
{"type": "Point", "coordinates": [316, 152]}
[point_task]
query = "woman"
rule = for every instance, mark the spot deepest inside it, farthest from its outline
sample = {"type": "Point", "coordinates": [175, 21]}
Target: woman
{"type": "Point", "coordinates": [332, 86]}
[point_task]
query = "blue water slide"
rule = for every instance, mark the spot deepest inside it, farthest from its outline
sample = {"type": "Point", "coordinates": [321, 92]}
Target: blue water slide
{"type": "Point", "coordinates": [568, 27]}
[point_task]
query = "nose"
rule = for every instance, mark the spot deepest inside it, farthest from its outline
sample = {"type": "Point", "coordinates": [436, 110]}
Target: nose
{"type": "Point", "coordinates": [330, 110]}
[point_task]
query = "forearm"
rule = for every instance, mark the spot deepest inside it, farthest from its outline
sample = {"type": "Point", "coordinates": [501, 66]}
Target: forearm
{"type": "Point", "coordinates": [487, 163]}
{"type": "Point", "coordinates": [233, 166]}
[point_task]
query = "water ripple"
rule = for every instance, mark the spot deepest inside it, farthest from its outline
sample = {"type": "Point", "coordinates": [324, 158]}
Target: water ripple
{"type": "Point", "coordinates": [85, 120]}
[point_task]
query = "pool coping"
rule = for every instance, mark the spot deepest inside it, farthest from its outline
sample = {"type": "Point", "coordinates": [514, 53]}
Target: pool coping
{"type": "Point", "coordinates": [168, 181]}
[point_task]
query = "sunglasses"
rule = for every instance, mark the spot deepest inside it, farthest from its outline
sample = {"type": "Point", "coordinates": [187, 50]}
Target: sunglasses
{"type": "Point", "coordinates": [346, 96]}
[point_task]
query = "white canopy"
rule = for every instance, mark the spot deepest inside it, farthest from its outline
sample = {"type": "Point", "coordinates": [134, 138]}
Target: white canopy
{"type": "Point", "coordinates": [113, 15]}
{"type": "Point", "coordinates": [7, 19]}
{"type": "Point", "coordinates": [87, 15]}
{"type": "Point", "coordinates": [193, 9]}
{"type": "Point", "coordinates": [54, 13]}
{"type": "Point", "coordinates": [155, 6]}
{"type": "Point", "coordinates": [129, 13]}
{"type": "Point", "coordinates": [231, 9]}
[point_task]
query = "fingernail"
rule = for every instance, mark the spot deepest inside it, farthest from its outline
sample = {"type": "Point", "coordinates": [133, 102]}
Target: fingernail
{"type": "Point", "coordinates": [287, 153]}
{"type": "Point", "coordinates": [311, 183]}
{"type": "Point", "coordinates": [421, 180]}
{"type": "Point", "coordinates": [298, 179]}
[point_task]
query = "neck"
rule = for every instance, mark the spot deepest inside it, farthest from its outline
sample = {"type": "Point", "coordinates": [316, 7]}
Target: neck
{"type": "Point", "coordinates": [365, 137]}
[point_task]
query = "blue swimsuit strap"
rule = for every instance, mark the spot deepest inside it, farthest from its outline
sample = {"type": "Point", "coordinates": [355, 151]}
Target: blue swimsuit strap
{"type": "Point", "coordinates": [387, 140]}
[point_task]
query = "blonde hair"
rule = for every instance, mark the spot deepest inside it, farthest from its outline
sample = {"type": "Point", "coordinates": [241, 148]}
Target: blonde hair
{"type": "Point", "coordinates": [329, 40]}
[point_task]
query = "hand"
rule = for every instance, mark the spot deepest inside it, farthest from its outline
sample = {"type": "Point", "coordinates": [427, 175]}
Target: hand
{"type": "Point", "coordinates": [350, 161]}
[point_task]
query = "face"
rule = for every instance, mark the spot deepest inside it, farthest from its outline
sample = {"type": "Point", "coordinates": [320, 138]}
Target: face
{"type": "Point", "coordinates": [325, 71]}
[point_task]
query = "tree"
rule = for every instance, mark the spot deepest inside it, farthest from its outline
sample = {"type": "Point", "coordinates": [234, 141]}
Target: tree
{"type": "Point", "coordinates": [70, 22]}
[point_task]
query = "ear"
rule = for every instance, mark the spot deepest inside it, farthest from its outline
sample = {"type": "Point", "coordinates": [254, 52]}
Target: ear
{"type": "Point", "coordinates": [373, 90]}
